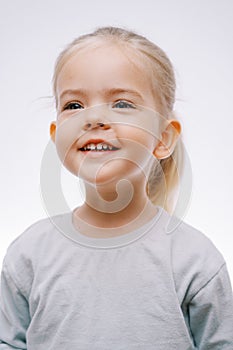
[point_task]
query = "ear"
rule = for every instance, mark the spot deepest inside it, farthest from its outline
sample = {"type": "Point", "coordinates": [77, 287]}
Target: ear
{"type": "Point", "coordinates": [168, 141]}
{"type": "Point", "coordinates": [53, 131]}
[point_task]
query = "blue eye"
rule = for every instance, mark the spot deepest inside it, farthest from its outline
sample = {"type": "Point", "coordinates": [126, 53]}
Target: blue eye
{"type": "Point", "coordinates": [123, 104]}
{"type": "Point", "coordinates": [73, 105]}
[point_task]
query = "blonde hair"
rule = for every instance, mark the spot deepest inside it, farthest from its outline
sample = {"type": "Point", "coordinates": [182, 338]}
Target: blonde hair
{"type": "Point", "coordinates": [164, 177]}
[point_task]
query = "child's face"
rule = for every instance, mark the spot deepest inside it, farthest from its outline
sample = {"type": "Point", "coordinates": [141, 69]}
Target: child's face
{"type": "Point", "coordinates": [104, 77]}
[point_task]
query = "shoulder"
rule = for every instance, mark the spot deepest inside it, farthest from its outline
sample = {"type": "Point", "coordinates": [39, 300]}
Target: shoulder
{"type": "Point", "coordinates": [36, 232]}
{"type": "Point", "coordinates": [194, 246]}
{"type": "Point", "coordinates": [195, 259]}
{"type": "Point", "coordinates": [33, 243]}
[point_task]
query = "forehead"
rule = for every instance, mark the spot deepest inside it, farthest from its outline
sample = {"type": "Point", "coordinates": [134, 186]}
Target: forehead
{"type": "Point", "coordinates": [103, 65]}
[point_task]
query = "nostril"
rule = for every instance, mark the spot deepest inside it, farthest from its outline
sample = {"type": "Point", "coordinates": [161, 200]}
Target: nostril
{"type": "Point", "coordinates": [87, 126]}
{"type": "Point", "coordinates": [103, 125]}
{"type": "Point", "coordinates": [100, 124]}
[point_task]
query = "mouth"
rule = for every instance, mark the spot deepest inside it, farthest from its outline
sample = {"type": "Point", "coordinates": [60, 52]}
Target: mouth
{"type": "Point", "coordinates": [98, 146]}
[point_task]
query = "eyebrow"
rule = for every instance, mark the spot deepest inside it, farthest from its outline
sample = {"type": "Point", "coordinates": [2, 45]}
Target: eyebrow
{"type": "Point", "coordinates": [107, 92]}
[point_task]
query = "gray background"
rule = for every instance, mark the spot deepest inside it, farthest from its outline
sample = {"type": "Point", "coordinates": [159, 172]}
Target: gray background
{"type": "Point", "coordinates": [198, 38]}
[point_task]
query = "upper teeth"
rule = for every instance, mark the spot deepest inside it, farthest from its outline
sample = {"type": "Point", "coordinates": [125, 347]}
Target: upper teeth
{"type": "Point", "coordinates": [97, 147]}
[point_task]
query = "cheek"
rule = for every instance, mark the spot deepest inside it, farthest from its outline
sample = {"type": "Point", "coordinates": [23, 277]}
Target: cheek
{"type": "Point", "coordinates": [67, 133]}
{"type": "Point", "coordinates": [72, 161]}
{"type": "Point", "coordinates": [137, 138]}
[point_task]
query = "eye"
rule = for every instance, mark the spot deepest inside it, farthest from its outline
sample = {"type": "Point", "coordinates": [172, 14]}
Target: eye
{"type": "Point", "coordinates": [73, 105]}
{"type": "Point", "coordinates": [123, 104]}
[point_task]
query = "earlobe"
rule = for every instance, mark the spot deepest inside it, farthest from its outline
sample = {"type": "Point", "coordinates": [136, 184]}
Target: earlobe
{"type": "Point", "coordinates": [53, 131]}
{"type": "Point", "coordinates": [166, 145]}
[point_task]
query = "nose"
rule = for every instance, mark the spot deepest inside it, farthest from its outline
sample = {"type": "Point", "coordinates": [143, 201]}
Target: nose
{"type": "Point", "coordinates": [94, 125]}
{"type": "Point", "coordinates": [96, 119]}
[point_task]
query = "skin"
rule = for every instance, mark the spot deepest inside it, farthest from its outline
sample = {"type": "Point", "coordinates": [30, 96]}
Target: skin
{"type": "Point", "coordinates": [96, 77]}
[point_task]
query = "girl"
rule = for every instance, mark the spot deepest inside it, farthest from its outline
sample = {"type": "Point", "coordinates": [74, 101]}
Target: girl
{"type": "Point", "coordinates": [108, 275]}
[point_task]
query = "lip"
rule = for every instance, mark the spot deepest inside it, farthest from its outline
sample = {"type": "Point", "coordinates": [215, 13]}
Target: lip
{"type": "Point", "coordinates": [112, 143]}
{"type": "Point", "coordinates": [98, 154]}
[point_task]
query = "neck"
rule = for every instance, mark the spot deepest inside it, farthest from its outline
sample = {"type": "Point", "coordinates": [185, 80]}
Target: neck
{"type": "Point", "coordinates": [108, 207]}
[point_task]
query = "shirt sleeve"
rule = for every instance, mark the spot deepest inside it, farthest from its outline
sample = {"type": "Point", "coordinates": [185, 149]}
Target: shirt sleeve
{"type": "Point", "coordinates": [14, 314]}
{"type": "Point", "coordinates": [211, 313]}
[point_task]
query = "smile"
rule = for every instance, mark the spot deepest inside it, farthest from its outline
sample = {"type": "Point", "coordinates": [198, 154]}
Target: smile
{"type": "Point", "coordinates": [99, 147]}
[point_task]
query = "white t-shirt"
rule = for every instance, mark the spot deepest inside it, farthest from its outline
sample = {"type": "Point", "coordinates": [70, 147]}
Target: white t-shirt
{"type": "Point", "coordinates": [145, 290]}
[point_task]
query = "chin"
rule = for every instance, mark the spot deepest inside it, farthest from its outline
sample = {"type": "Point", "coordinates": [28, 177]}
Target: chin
{"type": "Point", "coordinates": [109, 181]}
{"type": "Point", "coordinates": [108, 174]}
